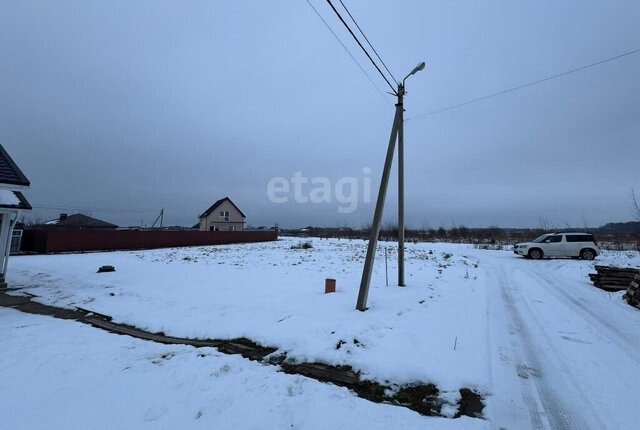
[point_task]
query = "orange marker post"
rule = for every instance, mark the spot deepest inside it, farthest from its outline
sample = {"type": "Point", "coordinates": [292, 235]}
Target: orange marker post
{"type": "Point", "coordinates": [329, 286]}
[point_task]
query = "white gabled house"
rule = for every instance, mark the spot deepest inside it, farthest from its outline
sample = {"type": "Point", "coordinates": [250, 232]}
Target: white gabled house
{"type": "Point", "coordinates": [12, 202]}
{"type": "Point", "coordinates": [223, 215]}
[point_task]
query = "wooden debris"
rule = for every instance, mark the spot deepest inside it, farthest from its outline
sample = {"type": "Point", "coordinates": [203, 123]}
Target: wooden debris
{"type": "Point", "coordinates": [613, 278]}
{"type": "Point", "coordinates": [632, 296]}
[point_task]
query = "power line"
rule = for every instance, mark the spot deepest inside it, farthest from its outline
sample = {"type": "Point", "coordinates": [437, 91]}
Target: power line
{"type": "Point", "coordinates": [93, 209]}
{"type": "Point", "coordinates": [362, 47]}
{"type": "Point", "coordinates": [367, 39]}
{"type": "Point", "coordinates": [348, 52]}
{"type": "Point", "coordinates": [519, 87]}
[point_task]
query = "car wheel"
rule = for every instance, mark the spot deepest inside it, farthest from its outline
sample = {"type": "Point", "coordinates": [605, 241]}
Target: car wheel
{"type": "Point", "coordinates": [535, 254]}
{"type": "Point", "coordinates": [587, 254]}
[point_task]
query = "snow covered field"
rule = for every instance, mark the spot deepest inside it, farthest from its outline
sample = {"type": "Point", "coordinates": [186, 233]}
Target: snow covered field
{"type": "Point", "coordinates": [544, 347]}
{"type": "Point", "coordinates": [64, 375]}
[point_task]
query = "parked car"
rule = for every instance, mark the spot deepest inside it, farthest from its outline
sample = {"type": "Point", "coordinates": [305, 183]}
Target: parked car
{"type": "Point", "coordinates": [576, 245]}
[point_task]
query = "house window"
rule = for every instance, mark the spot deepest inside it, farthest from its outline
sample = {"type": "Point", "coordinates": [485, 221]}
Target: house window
{"type": "Point", "coordinates": [16, 238]}
{"type": "Point", "coordinates": [225, 215]}
{"type": "Point", "coordinates": [233, 228]}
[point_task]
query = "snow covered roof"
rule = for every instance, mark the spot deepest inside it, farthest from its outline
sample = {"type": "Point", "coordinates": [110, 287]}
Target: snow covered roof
{"type": "Point", "coordinates": [10, 173]}
{"type": "Point", "coordinates": [13, 200]}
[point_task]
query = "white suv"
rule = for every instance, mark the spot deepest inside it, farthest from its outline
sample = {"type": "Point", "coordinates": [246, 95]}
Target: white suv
{"type": "Point", "coordinates": [577, 245]}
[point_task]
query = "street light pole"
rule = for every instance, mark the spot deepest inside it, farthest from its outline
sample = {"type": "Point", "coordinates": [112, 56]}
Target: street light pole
{"type": "Point", "coordinates": [397, 133]}
{"type": "Point", "coordinates": [401, 93]}
{"type": "Point", "coordinates": [401, 186]}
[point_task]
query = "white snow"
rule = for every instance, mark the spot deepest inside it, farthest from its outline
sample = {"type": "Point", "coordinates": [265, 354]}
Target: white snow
{"type": "Point", "coordinates": [8, 198]}
{"type": "Point", "coordinates": [535, 337]}
{"type": "Point", "coordinates": [59, 374]}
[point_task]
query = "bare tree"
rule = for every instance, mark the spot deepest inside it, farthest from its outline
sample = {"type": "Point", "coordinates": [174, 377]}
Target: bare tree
{"type": "Point", "coordinates": [544, 223]}
{"type": "Point", "coordinates": [34, 220]}
{"type": "Point", "coordinates": [584, 222]}
{"type": "Point", "coordinates": [635, 208]}
{"type": "Point", "coordinates": [425, 225]}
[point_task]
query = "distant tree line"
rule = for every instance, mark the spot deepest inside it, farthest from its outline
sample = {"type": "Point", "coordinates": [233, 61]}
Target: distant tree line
{"type": "Point", "coordinates": [626, 237]}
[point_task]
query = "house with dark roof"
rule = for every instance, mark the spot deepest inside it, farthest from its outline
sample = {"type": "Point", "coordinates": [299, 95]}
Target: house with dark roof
{"type": "Point", "coordinates": [223, 215]}
{"type": "Point", "coordinates": [74, 222]}
{"type": "Point", "coordinates": [12, 203]}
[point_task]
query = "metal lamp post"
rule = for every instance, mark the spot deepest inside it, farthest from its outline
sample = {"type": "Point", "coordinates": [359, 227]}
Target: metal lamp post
{"type": "Point", "coordinates": [401, 93]}
{"type": "Point", "coordinates": [397, 133]}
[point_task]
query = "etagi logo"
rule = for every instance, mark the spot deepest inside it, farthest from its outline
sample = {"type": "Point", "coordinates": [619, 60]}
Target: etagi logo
{"type": "Point", "coordinates": [346, 191]}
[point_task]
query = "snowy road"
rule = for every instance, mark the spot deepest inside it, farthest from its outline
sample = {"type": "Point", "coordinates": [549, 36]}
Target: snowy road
{"type": "Point", "coordinates": [571, 353]}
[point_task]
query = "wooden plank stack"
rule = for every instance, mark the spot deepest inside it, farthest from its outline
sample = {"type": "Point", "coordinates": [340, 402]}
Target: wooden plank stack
{"type": "Point", "coordinates": [611, 278]}
{"type": "Point", "coordinates": [632, 296]}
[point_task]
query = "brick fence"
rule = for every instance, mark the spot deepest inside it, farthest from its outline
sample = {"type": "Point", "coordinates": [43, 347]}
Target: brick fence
{"type": "Point", "coordinates": [46, 241]}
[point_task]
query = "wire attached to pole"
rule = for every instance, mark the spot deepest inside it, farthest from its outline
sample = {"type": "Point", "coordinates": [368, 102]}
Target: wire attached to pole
{"type": "Point", "coordinates": [519, 87]}
{"type": "Point", "coordinates": [367, 39]}
{"type": "Point", "coordinates": [349, 52]}
{"type": "Point", "coordinates": [361, 47]}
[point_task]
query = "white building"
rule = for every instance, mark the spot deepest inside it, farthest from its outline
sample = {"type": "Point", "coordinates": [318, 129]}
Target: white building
{"type": "Point", "coordinates": [223, 215]}
{"type": "Point", "coordinates": [12, 202]}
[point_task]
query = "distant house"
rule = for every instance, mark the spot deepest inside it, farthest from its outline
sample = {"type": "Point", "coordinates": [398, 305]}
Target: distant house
{"type": "Point", "coordinates": [74, 222]}
{"type": "Point", "coordinates": [223, 215]}
{"type": "Point", "coordinates": [12, 202]}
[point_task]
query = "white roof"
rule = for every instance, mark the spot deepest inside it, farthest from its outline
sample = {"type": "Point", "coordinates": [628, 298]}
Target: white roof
{"type": "Point", "coordinates": [9, 198]}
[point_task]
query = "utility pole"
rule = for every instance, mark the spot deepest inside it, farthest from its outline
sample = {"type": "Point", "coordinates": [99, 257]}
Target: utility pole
{"type": "Point", "coordinates": [160, 217]}
{"type": "Point", "coordinates": [361, 305]}
{"type": "Point", "coordinates": [397, 133]}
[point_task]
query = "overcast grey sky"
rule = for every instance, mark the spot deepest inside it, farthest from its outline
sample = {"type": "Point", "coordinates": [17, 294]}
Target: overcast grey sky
{"type": "Point", "coordinates": [142, 105]}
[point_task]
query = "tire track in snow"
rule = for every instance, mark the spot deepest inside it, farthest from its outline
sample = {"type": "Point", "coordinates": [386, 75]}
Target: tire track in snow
{"type": "Point", "coordinates": [556, 415]}
{"type": "Point", "coordinates": [507, 345]}
{"type": "Point", "coordinates": [627, 345]}
{"type": "Point", "coordinates": [572, 386]}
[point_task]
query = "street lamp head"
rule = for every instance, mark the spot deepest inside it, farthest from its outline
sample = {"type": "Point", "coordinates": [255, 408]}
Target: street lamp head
{"type": "Point", "coordinates": [414, 71]}
{"type": "Point", "coordinates": [418, 68]}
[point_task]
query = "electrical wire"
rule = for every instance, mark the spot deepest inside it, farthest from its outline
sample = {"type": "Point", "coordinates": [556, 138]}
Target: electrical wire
{"type": "Point", "coordinates": [361, 47]}
{"type": "Point", "coordinates": [349, 52]}
{"type": "Point", "coordinates": [519, 87]}
{"type": "Point", "coordinates": [367, 39]}
{"type": "Point", "coordinates": [94, 209]}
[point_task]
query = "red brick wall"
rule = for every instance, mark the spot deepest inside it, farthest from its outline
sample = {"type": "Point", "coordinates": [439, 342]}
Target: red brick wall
{"type": "Point", "coordinates": [43, 241]}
